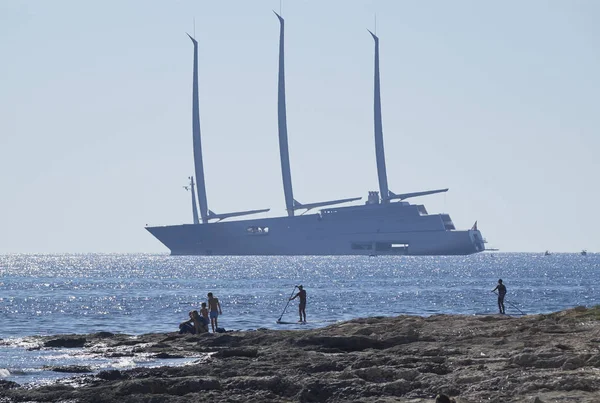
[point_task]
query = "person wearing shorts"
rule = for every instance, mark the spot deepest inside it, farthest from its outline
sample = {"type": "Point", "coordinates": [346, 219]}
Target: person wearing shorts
{"type": "Point", "coordinates": [302, 306]}
{"type": "Point", "coordinates": [214, 308]}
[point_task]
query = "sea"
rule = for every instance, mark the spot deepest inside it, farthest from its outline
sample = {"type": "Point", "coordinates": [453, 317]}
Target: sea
{"type": "Point", "coordinates": [144, 293]}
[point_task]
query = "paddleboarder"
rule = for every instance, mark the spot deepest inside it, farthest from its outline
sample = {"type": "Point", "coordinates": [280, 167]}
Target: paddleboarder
{"type": "Point", "coordinates": [501, 293]}
{"type": "Point", "coordinates": [302, 306]}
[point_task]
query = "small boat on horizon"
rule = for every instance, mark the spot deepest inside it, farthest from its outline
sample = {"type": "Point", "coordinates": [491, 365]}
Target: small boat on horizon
{"type": "Point", "coordinates": [547, 253]}
{"type": "Point", "coordinates": [584, 252]}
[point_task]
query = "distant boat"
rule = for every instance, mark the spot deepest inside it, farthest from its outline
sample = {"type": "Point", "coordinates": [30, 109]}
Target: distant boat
{"type": "Point", "coordinates": [584, 252]}
{"type": "Point", "coordinates": [547, 253]}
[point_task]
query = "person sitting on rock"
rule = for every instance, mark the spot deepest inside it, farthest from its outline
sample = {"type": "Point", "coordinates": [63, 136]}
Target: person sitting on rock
{"type": "Point", "coordinates": [204, 314]}
{"type": "Point", "coordinates": [194, 325]}
{"type": "Point", "coordinates": [501, 293]}
{"type": "Point", "coordinates": [199, 324]}
{"type": "Point", "coordinates": [188, 325]}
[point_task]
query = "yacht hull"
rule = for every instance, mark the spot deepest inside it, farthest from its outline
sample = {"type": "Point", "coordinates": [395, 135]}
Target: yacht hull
{"type": "Point", "coordinates": [391, 229]}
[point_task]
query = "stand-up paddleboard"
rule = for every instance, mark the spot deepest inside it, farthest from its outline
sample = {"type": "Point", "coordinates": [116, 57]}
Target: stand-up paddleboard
{"type": "Point", "coordinates": [310, 322]}
{"type": "Point", "coordinates": [512, 315]}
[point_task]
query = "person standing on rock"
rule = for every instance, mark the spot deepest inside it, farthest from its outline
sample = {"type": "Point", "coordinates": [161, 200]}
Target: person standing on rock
{"type": "Point", "coordinates": [302, 306]}
{"type": "Point", "coordinates": [214, 306]}
{"type": "Point", "coordinates": [501, 293]}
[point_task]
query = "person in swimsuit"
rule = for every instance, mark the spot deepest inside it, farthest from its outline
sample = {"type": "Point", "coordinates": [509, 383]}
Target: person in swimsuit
{"type": "Point", "coordinates": [302, 306]}
{"type": "Point", "coordinates": [501, 293]}
{"type": "Point", "coordinates": [214, 307]}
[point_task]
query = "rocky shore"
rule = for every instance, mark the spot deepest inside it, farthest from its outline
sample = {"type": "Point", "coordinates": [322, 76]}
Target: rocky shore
{"type": "Point", "coordinates": [537, 358]}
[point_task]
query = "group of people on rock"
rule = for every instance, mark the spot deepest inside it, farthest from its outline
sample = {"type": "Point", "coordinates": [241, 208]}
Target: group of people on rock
{"type": "Point", "coordinates": [198, 322]}
{"type": "Point", "coordinates": [209, 314]}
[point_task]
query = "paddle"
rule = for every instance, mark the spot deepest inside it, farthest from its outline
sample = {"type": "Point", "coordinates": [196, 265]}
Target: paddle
{"type": "Point", "coordinates": [513, 305]}
{"type": "Point", "coordinates": [286, 305]}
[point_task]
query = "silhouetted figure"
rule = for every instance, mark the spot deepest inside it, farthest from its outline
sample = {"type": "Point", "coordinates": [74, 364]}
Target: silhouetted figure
{"type": "Point", "coordinates": [195, 325]}
{"type": "Point", "coordinates": [214, 306]}
{"type": "Point", "coordinates": [204, 314]}
{"type": "Point", "coordinates": [501, 293]}
{"type": "Point", "coordinates": [302, 306]}
{"type": "Point", "coordinates": [187, 326]}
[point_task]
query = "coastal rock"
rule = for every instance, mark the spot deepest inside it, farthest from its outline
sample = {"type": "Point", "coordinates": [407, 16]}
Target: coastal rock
{"type": "Point", "coordinates": [156, 386]}
{"type": "Point", "coordinates": [164, 355]}
{"type": "Point", "coordinates": [377, 374]}
{"type": "Point", "coordinates": [69, 341]}
{"type": "Point", "coordinates": [572, 363]}
{"type": "Point", "coordinates": [193, 385]}
{"type": "Point", "coordinates": [7, 384]}
{"type": "Point", "coordinates": [537, 358]}
{"type": "Point", "coordinates": [397, 388]}
{"type": "Point", "coordinates": [594, 361]}
{"type": "Point", "coordinates": [71, 369]}
{"type": "Point", "coordinates": [341, 343]}
{"type": "Point", "coordinates": [237, 352]}
{"type": "Point", "coordinates": [111, 375]}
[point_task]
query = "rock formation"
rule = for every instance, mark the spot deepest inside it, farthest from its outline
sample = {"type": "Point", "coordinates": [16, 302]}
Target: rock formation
{"type": "Point", "coordinates": [537, 358]}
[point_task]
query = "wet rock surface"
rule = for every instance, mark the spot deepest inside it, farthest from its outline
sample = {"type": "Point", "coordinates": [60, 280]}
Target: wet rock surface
{"type": "Point", "coordinates": [70, 368]}
{"type": "Point", "coordinates": [537, 358]}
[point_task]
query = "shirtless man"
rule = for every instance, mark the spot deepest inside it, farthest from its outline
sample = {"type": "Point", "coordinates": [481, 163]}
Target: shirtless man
{"type": "Point", "coordinates": [302, 306]}
{"type": "Point", "coordinates": [501, 293]}
{"type": "Point", "coordinates": [214, 306]}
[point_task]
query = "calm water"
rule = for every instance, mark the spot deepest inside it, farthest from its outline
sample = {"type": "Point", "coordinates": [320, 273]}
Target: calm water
{"type": "Point", "coordinates": [52, 294]}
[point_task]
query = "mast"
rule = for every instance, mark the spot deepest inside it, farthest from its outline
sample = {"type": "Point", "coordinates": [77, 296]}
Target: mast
{"type": "Point", "coordinates": [197, 144]}
{"type": "Point", "coordinates": [205, 213]}
{"type": "Point", "coordinates": [284, 154]}
{"type": "Point", "coordinates": [379, 151]}
{"type": "Point", "coordinates": [386, 194]}
{"type": "Point", "coordinates": [194, 205]}
{"type": "Point", "coordinates": [291, 205]}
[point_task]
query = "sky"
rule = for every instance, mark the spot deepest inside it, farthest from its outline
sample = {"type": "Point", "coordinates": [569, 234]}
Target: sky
{"type": "Point", "coordinates": [496, 100]}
